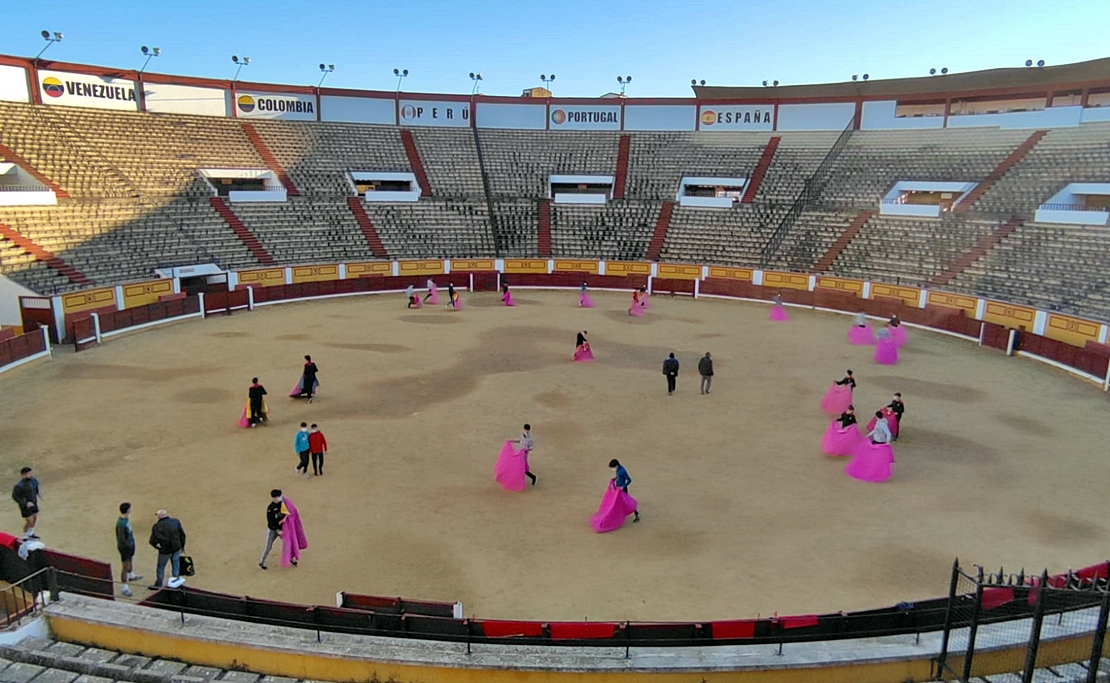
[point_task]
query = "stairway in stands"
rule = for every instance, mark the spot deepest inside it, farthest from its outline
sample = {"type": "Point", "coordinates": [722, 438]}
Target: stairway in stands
{"type": "Point", "coordinates": [622, 167]}
{"type": "Point", "coordinates": [267, 156]}
{"type": "Point", "coordinates": [48, 258]}
{"type": "Point", "coordinates": [977, 252]}
{"type": "Point", "coordinates": [367, 226]}
{"type": "Point", "coordinates": [10, 155]}
{"type": "Point", "coordinates": [1005, 165]}
{"type": "Point", "coordinates": [543, 242]}
{"type": "Point", "coordinates": [417, 165]}
{"type": "Point", "coordinates": [760, 170]}
{"type": "Point", "coordinates": [826, 261]}
{"type": "Point", "coordinates": [659, 237]}
{"type": "Point", "coordinates": [242, 231]}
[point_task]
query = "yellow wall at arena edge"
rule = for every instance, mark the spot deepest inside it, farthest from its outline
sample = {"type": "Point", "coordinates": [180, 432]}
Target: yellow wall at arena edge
{"type": "Point", "coordinates": [88, 300]}
{"type": "Point", "coordinates": [627, 268]}
{"type": "Point", "coordinates": [263, 277]}
{"type": "Point", "coordinates": [576, 266]}
{"type": "Point", "coordinates": [967, 304]}
{"type": "Point", "coordinates": [525, 265]}
{"type": "Point", "coordinates": [421, 268]}
{"type": "Point", "coordinates": [1009, 315]}
{"type": "Point", "coordinates": [726, 273]}
{"type": "Point", "coordinates": [673, 271]}
{"type": "Point", "coordinates": [143, 293]}
{"type": "Point", "coordinates": [315, 273]}
{"type": "Point", "coordinates": [381, 268]}
{"type": "Point", "coordinates": [908, 295]}
{"type": "Point", "coordinates": [1070, 330]}
{"type": "Point", "coordinates": [773, 278]}
{"type": "Point", "coordinates": [476, 265]}
{"type": "Point", "coordinates": [839, 284]}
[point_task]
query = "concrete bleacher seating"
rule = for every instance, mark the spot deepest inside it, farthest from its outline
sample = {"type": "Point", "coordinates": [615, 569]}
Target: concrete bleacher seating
{"type": "Point", "coordinates": [519, 162]}
{"type": "Point", "coordinates": [280, 227]}
{"type": "Point", "coordinates": [658, 161]}
{"type": "Point", "coordinates": [619, 230]}
{"type": "Point", "coordinates": [451, 162]}
{"type": "Point", "coordinates": [433, 229]}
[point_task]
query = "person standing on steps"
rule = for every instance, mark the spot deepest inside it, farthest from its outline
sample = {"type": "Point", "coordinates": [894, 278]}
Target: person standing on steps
{"type": "Point", "coordinates": [25, 493]}
{"type": "Point", "coordinates": [274, 519]}
{"type": "Point", "coordinates": [705, 369]}
{"type": "Point", "coordinates": [167, 536]}
{"type": "Point", "coordinates": [125, 544]}
{"type": "Point", "coordinates": [526, 445]}
{"type": "Point", "coordinates": [301, 445]}
{"type": "Point", "coordinates": [670, 369]}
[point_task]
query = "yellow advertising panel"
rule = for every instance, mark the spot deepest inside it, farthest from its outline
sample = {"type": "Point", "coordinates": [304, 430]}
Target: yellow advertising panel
{"type": "Point", "coordinates": [1009, 315]}
{"type": "Point", "coordinates": [315, 273]}
{"type": "Point", "coordinates": [1065, 328]}
{"type": "Point", "coordinates": [143, 293]}
{"type": "Point", "coordinates": [472, 264]}
{"type": "Point", "coordinates": [369, 268]}
{"type": "Point", "coordinates": [731, 273]}
{"type": "Point", "coordinates": [263, 277]}
{"type": "Point", "coordinates": [88, 300]}
{"type": "Point", "coordinates": [575, 266]}
{"type": "Point", "coordinates": [671, 271]}
{"type": "Point", "coordinates": [420, 268]}
{"type": "Point", "coordinates": [627, 268]}
{"type": "Point", "coordinates": [786, 280]}
{"type": "Point", "coordinates": [838, 284]}
{"type": "Point", "coordinates": [960, 301]}
{"type": "Point", "coordinates": [909, 295]}
{"type": "Point", "coordinates": [526, 265]}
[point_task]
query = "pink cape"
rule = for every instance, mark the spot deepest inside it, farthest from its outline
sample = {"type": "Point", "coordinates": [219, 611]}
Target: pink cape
{"type": "Point", "coordinates": [891, 421]}
{"type": "Point", "coordinates": [293, 540]}
{"type": "Point", "coordinates": [417, 301]}
{"type": "Point", "coordinates": [840, 441]}
{"type": "Point", "coordinates": [870, 462]}
{"type": "Point", "coordinates": [860, 336]}
{"type": "Point", "coordinates": [886, 351]}
{"type": "Point", "coordinates": [457, 303]}
{"type": "Point", "coordinates": [778, 314]}
{"type": "Point", "coordinates": [644, 301]}
{"type": "Point", "coordinates": [583, 354]}
{"type": "Point", "coordinates": [837, 399]}
{"type": "Point", "coordinates": [434, 295]}
{"type": "Point", "coordinates": [245, 416]}
{"type": "Point", "coordinates": [585, 301]}
{"type": "Point", "coordinates": [616, 506]}
{"type": "Point", "coordinates": [299, 387]}
{"type": "Point", "coordinates": [507, 297]}
{"type": "Point", "coordinates": [637, 309]}
{"type": "Point", "coordinates": [510, 468]}
{"type": "Point", "coordinates": [898, 334]}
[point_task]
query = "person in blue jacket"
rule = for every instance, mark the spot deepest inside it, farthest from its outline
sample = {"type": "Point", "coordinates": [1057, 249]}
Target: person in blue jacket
{"type": "Point", "coordinates": [622, 480]}
{"type": "Point", "coordinates": [300, 444]}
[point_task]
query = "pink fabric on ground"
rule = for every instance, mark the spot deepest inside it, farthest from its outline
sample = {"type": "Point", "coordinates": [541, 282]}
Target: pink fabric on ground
{"type": "Point", "coordinates": [644, 301]}
{"type": "Point", "coordinates": [434, 298]}
{"type": "Point", "coordinates": [898, 334]}
{"type": "Point", "coordinates": [583, 354]}
{"type": "Point", "coordinates": [293, 540]}
{"type": "Point", "coordinates": [616, 506]}
{"type": "Point", "coordinates": [510, 468]}
{"type": "Point", "coordinates": [299, 387]}
{"type": "Point", "coordinates": [778, 314]}
{"type": "Point", "coordinates": [891, 421]}
{"type": "Point", "coordinates": [860, 336]}
{"type": "Point", "coordinates": [840, 441]}
{"type": "Point", "coordinates": [245, 418]}
{"type": "Point", "coordinates": [836, 399]}
{"type": "Point", "coordinates": [886, 351]}
{"type": "Point", "coordinates": [636, 310]}
{"type": "Point", "coordinates": [507, 298]}
{"type": "Point", "coordinates": [871, 462]}
{"type": "Point", "coordinates": [585, 301]}
{"type": "Point", "coordinates": [458, 302]}
{"type": "Point", "coordinates": [418, 303]}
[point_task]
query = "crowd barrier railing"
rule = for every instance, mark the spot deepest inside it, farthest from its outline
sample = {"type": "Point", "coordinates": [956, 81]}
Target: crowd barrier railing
{"type": "Point", "coordinates": [24, 348]}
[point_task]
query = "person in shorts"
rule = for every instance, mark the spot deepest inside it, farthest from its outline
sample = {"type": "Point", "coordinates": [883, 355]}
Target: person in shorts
{"type": "Point", "coordinates": [26, 495]}
{"type": "Point", "coordinates": [125, 544]}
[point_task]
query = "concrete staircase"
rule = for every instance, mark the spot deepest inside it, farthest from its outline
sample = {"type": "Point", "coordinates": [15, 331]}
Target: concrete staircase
{"type": "Point", "coordinates": [367, 227]}
{"type": "Point", "coordinates": [1005, 165]}
{"type": "Point", "coordinates": [977, 252]}
{"type": "Point", "coordinates": [242, 231]}
{"type": "Point", "coordinates": [9, 154]}
{"type": "Point", "coordinates": [760, 170]}
{"type": "Point", "coordinates": [416, 163]}
{"type": "Point", "coordinates": [48, 258]}
{"type": "Point", "coordinates": [621, 174]}
{"type": "Point", "coordinates": [267, 156]}
{"type": "Point", "coordinates": [826, 261]}
{"type": "Point", "coordinates": [659, 237]}
{"type": "Point", "coordinates": [543, 240]}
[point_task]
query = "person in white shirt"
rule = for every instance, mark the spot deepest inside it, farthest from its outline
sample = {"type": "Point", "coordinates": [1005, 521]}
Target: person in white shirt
{"type": "Point", "coordinates": [861, 319]}
{"type": "Point", "coordinates": [881, 433]}
{"type": "Point", "coordinates": [431, 285]}
{"type": "Point", "coordinates": [410, 296]}
{"type": "Point", "coordinates": [526, 445]}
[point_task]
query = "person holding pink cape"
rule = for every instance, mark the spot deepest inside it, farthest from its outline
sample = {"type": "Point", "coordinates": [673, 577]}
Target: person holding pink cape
{"type": "Point", "coordinates": [839, 395]}
{"type": "Point", "coordinates": [506, 297]}
{"type": "Point", "coordinates": [778, 313]}
{"type": "Point", "coordinates": [584, 299]}
{"type": "Point", "coordinates": [873, 457]}
{"type": "Point", "coordinates": [616, 504]}
{"type": "Point", "coordinates": [512, 464]}
{"type": "Point", "coordinates": [842, 435]}
{"type": "Point", "coordinates": [582, 352]}
{"type": "Point", "coordinates": [432, 296]}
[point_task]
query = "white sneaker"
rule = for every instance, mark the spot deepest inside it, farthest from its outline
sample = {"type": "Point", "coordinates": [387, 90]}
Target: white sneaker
{"type": "Point", "coordinates": [126, 590]}
{"type": "Point", "coordinates": [176, 582]}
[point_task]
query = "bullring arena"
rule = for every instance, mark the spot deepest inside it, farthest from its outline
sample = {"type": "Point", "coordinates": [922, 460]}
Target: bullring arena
{"type": "Point", "coordinates": [151, 287]}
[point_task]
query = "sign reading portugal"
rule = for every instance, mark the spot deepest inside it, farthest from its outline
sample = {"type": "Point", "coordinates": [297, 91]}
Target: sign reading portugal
{"type": "Point", "coordinates": [604, 117]}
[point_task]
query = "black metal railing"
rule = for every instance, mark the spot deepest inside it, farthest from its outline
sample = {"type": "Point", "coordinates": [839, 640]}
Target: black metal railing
{"type": "Point", "coordinates": [488, 193]}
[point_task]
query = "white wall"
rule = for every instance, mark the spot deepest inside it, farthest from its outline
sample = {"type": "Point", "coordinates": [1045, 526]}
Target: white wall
{"type": "Point", "coordinates": [441, 114]}
{"type": "Point", "coordinates": [585, 117]}
{"type": "Point", "coordinates": [9, 301]}
{"type": "Point", "coordinates": [515, 116]}
{"type": "Point", "coordinates": [737, 117]}
{"type": "Point", "coordinates": [881, 116]}
{"type": "Point", "coordinates": [1093, 114]}
{"type": "Point", "coordinates": [280, 106]}
{"type": "Point", "coordinates": [184, 99]}
{"type": "Point", "coordinates": [64, 89]}
{"type": "Point", "coordinates": [1057, 117]}
{"type": "Point", "coordinates": [832, 116]}
{"type": "Point", "coordinates": [659, 117]}
{"type": "Point", "coordinates": [13, 84]}
{"type": "Point", "coordinates": [357, 110]}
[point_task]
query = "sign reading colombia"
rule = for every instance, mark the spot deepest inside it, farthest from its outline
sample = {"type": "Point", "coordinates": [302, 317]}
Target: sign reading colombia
{"type": "Point", "coordinates": [83, 90]}
{"type": "Point", "coordinates": [287, 107]}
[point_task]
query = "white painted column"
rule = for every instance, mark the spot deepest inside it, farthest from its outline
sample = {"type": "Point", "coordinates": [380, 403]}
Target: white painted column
{"type": "Point", "coordinates": [96, 328]}
{"type": "Point", "coordinates": [250, 298]}
{"type": "Point", "coordinates": [1011, 342]}
{"type": "Point", "coordinates": [200, 297]}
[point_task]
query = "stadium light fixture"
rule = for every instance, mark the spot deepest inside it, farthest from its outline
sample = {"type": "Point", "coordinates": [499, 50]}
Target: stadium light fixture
{"type": "Point", "coordinates": [50, 38]}
{"type": "Point", "coordinates": [694, 81]}
{"type": "Point", "coordinates": [855, 77]}
{"type": "Point", "coordinates": [326, 69]}
{"type": "Point", "coordinates": [866, 76]}
{"type": "Point", "coordinates": [624, 83]}
{"type": "Point", "coordinates": [400, 74]}
{"type": "Point", "coordinates": [547, 81]}
{"type": "Point", "coordinates": [151, 53]}
{"type": "Point", "coordinates": [477, 78]}
{"type": "Point", "coordinates": [1029, 62]}
{"type": "Point", "coordinates": [241, 61]}
{"type": "Point", "coordinates": [1040, 63]}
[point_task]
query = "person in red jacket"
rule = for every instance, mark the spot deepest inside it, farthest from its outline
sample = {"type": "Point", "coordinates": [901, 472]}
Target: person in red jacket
{"type": "Point", "coordinates": [318, 446]}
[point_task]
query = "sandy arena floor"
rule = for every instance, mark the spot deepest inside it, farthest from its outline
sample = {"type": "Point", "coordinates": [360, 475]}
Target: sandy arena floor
{"type": "Point", "coordinates": [1002, 461]}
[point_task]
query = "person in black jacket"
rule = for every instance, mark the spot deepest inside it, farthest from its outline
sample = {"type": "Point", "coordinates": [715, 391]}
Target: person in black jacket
{"type": "Point", "coordinates": [670, 369]}
{"type": "Point", "coordinates": [705, 369]}
{"type": "Point", "coordinates": [897, 407]}
{"type": "Point", "coordinates": [255, 394]}
{"type": "Point", "coordinates": [274, 518]}
{"type": "Point", "coordinates": [308, 379]}
{"type": "Point", "coordinates": [848, 380]}
{"type": "Point", "coordinates": [26, 495]}
{"type": "Point", "coordinates": [847, 418]}
{"type": "Point", "coordinates": [167, 536]}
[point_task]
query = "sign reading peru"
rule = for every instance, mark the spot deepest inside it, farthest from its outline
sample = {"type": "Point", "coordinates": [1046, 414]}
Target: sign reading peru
{"type": "Point", "coordinates": [287, 107]}
{"type": "Point", "coordinates": [603, 117]}
{"type": "Point", "coordinates": [82, 90]}
{"type": "Point", "coordinates": [432, 113]}
{"type": "Point", "coordinates": [737, 117]}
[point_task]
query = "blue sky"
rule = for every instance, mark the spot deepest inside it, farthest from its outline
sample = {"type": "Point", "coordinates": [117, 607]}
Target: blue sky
{"type": "Point", "coordinates": [662, 45]}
